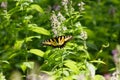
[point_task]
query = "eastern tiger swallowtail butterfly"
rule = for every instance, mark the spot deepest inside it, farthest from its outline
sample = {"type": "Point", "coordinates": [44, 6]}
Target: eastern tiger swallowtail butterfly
{"type": "Point", "coordinates": [57, 41]}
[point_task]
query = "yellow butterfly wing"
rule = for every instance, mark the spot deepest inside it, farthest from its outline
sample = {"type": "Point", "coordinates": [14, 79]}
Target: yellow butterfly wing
{"type": "Point", "coordinates": [57, 41]}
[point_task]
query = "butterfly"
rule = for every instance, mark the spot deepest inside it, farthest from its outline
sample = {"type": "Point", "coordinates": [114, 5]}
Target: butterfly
{"type": "Point", "coordinates": [58, 41]}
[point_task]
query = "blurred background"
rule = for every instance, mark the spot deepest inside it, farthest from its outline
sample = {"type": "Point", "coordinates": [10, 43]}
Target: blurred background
{"type": "Point", "coordinates": [25, 24]}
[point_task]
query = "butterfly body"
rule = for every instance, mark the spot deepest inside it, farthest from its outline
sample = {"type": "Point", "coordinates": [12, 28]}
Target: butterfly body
{"type": "Point", "coordinates": [57, 41]}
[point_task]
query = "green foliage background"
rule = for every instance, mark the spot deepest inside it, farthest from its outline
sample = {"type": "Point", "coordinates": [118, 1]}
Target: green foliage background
{"type": "Point", "coordinates": [25, 24]}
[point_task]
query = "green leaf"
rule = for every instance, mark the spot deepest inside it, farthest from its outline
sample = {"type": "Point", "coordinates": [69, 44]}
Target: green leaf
{"type": "Point", "coordinates": [30, 38]}
{"type": "Point", "coordinates": [2, 77]}
{"type": "Point", "coordinates": [37, 29]}
{"type": "Point", "coordinates": [85, 51]}
{"type": "Point", "coordinates": [12, 56]}
{"type": "Point", "coordinates": [112, 69]}
{"type": "Point", "coordinates": [4, 61]}
{"type": "Point", "coordinates": [68, 78]}
{"type": "Point", "coordinates": [23, 67]}
{"type": "Point", "coordinates": [72, 65]}
{"type": "Point", "coordinates": [18, 44]}
{"type": "Point", "coordinates": [37, 8]}
{"type": "Point", "coordinates": [37, 52]}
{"type": "Point", "coordinates": [29, 64]}
{"type": "Point", "coordinates": [26, 65]}
{"type": "Point", "coordinates": [97, 61]}
{"type": "Point", "coordinates": [99, 77]}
